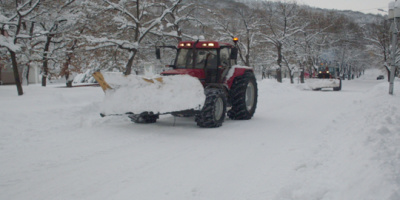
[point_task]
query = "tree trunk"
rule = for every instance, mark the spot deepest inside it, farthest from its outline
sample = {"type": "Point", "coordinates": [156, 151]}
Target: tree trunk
{"type": "Point", "coordinates": [44, 73]}
{"type": "Point", "coordinates": [27, 73]}
{"type": "Point", "coordinates": [388, 74]}
{"type": "Point", "coordinates": [301, 73]}
{"type": "Point", "coordinates": [290, 74]}
{"type": "Point", "coordinates": [247, 60]}
{"type": "Point", "coordinates": [1, 81]}
{"type": "Point", "coordinates": [291, 78]}
{"type": "Point", "coordinates": [46, 60]}
{"type": "Point", "coordinates": [130, 61]}
{"type": "Point", "coordinates": [279, 51]}
{"type": "Point", "coordinates": [16, 73]}
{"type": "Point", "coordinates": [279, 75]}
{"type": "Point", "coordinates": [65, 68]}
{"type": "Point", "coordinates": [344, 74]}
{"type": "Point", "coordinates": [65, 71]}
{"type": "Point", "coordinates": [248, 50]}
{"type": "Point", "coordinates": [279, 62]}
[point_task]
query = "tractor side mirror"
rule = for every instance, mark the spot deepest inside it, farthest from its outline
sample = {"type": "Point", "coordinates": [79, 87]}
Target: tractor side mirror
{"type": "Point", "coordinates": [234, 53]}
{"type": "Point", "coordinates": [158, 53]}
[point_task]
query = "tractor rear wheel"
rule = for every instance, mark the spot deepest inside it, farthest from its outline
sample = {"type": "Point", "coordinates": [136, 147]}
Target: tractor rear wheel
{"type": "Point", "coordinates": [243, 95]}
{"type": "Point", "coordinates": [214, 109]}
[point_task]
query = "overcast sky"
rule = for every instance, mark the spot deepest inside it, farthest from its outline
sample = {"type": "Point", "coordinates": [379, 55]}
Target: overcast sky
{"type": "Point", "coordinates": [365, 6]}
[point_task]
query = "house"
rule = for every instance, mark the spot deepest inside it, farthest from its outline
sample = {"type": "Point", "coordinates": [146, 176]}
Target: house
{"type": "Point", "coordinates": [7, 74]}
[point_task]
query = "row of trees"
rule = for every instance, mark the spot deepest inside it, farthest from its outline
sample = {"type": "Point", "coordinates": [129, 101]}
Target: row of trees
{"type": "Point", "coordinates": [64, 36]}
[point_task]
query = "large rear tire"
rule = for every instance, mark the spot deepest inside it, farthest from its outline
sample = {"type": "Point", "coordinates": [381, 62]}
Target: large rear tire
{"type": "Point", "coordinates": [214, 110]}
{"type": "Point", "coordinates": [243, 95]}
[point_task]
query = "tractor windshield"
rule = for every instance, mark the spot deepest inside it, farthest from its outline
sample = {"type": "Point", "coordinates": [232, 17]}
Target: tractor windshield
{"type": "Point", "coordinates": [204, 58]}
{"type": "Point", "coordinates": [326, 69]}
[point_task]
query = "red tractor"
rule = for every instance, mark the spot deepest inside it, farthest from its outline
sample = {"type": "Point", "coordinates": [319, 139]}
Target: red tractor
{"type": "Point", "coordinates": [226, 85]}
{"type": "Point", "coordinates": [229, 88]}
{"type": "Point", "coordinates": [328, 77]}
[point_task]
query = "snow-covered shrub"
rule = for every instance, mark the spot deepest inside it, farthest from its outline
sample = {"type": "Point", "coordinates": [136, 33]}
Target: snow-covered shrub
{"type": "Point", "coordinates": [84, 77]}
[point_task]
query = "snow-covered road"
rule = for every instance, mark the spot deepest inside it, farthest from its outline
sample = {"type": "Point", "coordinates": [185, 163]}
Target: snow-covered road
{"type": "Point", "coordinates": [301, 144]}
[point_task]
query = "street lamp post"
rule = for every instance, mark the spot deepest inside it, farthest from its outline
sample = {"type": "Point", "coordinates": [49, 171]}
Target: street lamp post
{"type": "Point", "coordinates": [394, 12]}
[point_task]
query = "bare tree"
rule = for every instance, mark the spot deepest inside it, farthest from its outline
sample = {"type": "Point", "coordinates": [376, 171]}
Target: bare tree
{"type": "Point", "coordinates": [135, 21]}
{"type": "Point", "coordinates": [56, 19]}
{"type": "Point", "coordinates": [237, 20]}
{"type": "Point", "coordinates": [314, 38]}
{"type": "Point", "coordinates": [12, 27]}
{"type": "Point", "coordinates": [377, 36]}
{"type": "Point", "coordinates": [281, 24]}
{"type": "Point", "coordinates": [176, 24]}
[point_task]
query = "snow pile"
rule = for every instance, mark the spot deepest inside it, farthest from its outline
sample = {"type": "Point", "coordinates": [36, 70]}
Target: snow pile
{"type": "Point", "coordinates": [133, 94]}
{"type": "Point", "coordinates": [315, 83]}
{"type": "Point", "coordinates": [84, 77]}
{"type": "Point", "coordinates": [383, 132]}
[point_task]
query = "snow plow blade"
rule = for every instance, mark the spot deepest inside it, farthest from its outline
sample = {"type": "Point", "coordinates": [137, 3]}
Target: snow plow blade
{"type": "Point", "coordinates": [318, 83]}
{"type": "Point", "coordinates": [104, 85]}
{"type": "Point", "coordinates": [100, 79]}
{"type": "Point", "coordinates": [132, 94]}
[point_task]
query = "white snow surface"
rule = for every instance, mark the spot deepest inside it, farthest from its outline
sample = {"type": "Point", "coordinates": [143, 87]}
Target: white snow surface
{"type": "Point", "coordinates": [133, 94]}
{"type": "Point", "coordinates": [300, 144]}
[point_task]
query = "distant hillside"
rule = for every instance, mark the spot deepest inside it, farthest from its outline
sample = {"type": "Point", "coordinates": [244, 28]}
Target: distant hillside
{"type": "Point", "coordinates": [356, 16]}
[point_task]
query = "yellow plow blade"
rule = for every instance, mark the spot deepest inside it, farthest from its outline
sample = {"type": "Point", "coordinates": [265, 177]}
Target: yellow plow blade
{"type": "Point", "coordinates": [100, 79]}
{"type": "Point", "coordinates": [105, 86]}
{"type": "Point", "coordinates": [159, 79]}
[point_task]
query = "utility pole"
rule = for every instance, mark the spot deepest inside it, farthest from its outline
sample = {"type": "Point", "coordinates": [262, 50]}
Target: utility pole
{"type": "Point", "coordinates": [393, 55]}
{"type": "Point", "coordinates": [394, 12]}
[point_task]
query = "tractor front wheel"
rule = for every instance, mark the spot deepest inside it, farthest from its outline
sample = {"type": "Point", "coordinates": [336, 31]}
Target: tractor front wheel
{"type": "Point", "coordinates": [214, 110]}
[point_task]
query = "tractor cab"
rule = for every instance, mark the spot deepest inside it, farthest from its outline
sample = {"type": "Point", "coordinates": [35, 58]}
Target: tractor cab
{"type": "Point", "coordinates": [209, 61]}
{"type": "Point", "coordinates": [328, 72]}
{"type": "Point", "coordinates": [328, 77]}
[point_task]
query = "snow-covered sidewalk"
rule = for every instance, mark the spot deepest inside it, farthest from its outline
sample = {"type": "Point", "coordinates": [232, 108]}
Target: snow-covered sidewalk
{"type": "Point", "coordinates": [301, 144]}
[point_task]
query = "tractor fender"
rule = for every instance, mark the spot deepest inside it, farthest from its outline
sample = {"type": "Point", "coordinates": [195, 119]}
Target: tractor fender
{"type": "Point", "coordinates": [234, 72]}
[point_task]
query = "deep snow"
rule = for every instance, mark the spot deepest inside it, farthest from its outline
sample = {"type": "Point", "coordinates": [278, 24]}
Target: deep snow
{"type": "Point", "coordinates": [301, 144]}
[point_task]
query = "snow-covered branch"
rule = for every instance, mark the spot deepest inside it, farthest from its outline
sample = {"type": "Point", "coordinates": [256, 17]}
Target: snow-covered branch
{"type": "Point", "coordinates": [8, 43]}
{"type": "Point", "coordinates": [123, 10]}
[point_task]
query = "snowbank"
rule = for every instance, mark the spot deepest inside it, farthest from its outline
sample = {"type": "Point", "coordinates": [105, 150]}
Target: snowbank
{"type": "Point", "coordinates": [133, 94]}
{"type": "Point", "coordinates": [84, 78]}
